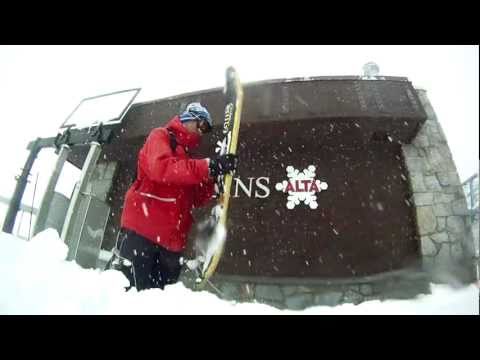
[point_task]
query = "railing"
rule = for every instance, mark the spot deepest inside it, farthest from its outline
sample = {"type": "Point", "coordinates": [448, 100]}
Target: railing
{"type": "Point", "coordinates": [470, 187]}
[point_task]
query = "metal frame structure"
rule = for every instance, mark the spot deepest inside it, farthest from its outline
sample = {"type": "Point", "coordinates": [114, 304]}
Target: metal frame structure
{"type": "Point", "coordinates": [48, 195]}
{"type": "Point", "coordinates": [73, 250]}
{"type": "Point", "coordinates": [120, 116]}
{"type": "Point", "coordinates": [22, 180]}
{"type": "Point", "coordinates": [96, 136]}
{"type": "Point", "coordinates": [70, 137]}
{"type": "Point", "coordinates": [80, 190]}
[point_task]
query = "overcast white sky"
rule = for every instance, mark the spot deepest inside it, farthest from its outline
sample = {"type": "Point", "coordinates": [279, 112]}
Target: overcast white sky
{"type": "Point", "coordinates": [40, 85]}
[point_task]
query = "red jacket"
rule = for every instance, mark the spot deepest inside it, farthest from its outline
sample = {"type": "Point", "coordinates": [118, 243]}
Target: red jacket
{"type": "Point", "coordinates": [169, 185]}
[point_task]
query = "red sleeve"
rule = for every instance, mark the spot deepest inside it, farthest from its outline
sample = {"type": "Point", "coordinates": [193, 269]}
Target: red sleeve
{"type": "Point", "coordinates": [163, 166]}
{"type": "Point", "coordinates": [203, 193]}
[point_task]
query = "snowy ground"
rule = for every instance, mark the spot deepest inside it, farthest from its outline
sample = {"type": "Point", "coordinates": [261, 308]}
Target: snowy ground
{"type": "Point", "coordinates": [35, 279]}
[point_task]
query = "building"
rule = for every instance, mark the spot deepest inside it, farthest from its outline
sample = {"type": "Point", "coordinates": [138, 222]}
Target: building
{"type": "Point", "coordinates": [393, 214]}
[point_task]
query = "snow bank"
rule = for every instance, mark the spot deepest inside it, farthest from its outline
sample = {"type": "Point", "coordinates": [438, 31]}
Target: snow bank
{"type": "Point", "coordinates": [36, 279]}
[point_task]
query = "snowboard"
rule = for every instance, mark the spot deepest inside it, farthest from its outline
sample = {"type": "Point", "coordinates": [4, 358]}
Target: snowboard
{"type": "Point", "coordinates": [211, 241]}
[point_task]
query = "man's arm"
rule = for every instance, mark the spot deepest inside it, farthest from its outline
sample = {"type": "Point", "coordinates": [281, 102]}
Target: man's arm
{"type": "Point", "coordinates": [203, 193]}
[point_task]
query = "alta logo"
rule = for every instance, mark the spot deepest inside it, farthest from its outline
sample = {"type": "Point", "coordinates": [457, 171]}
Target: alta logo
{"type": "Point", "coordinates": [301, 187]}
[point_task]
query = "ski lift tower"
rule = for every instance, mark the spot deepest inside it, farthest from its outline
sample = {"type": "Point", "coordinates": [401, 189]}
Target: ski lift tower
{"type": "Point", "coordinates": [91, 123]}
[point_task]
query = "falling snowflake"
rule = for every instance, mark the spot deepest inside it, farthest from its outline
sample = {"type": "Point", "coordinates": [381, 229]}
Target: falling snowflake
{"type": "Point", "coordinates": [301, 187]}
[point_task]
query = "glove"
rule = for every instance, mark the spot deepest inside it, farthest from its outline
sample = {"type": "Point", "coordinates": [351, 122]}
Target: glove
{"type": "Point", "coordinates": [223, 164]}
{"type": "Point", "coordinates": [192, 264]}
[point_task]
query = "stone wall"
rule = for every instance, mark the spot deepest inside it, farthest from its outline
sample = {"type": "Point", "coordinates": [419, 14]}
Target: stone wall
{"type": "Point", "coordinates": [294, 296]}
{"type": "Point", "coordinates": [443, 220]}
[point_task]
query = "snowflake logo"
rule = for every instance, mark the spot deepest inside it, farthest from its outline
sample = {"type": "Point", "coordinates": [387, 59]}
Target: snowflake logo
{"type": "Point", "coordinates": [301, 187]}
{"type": "Point", "coordinates": [222, 146]}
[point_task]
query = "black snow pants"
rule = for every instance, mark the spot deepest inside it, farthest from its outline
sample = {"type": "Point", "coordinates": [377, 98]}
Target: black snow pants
{"type": "Point", "coordinates": [151, 265]}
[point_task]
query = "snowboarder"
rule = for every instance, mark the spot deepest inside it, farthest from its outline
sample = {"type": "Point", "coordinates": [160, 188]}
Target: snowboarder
{"type": "Point", "coordinates": [156, 217]}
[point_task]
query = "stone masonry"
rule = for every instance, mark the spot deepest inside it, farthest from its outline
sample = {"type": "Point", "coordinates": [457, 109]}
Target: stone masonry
{"type": "Point", "coordinates": [443, 220]}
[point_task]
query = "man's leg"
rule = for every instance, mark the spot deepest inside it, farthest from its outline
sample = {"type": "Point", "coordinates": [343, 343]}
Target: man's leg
{"type": "Point", "coordinates": [119, 262]}
{"type": "Point", "coordinates": [152, 266]}
{"type": "Point", "coordinates": [166, 267]}
{"type": "Point", "coordinates": [140, 253]}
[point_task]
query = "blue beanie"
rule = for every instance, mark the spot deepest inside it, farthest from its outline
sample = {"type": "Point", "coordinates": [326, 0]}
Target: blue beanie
{"type": "Point", "coordinates": [195, 111]}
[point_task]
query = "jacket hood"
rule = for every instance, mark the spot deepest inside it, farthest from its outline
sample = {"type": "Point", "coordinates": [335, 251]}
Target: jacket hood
{"type": "Point", "coordinates": [184, 137]}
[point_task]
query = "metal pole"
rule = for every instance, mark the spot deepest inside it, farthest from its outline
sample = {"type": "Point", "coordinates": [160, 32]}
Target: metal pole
{"type": "Point", "coordinates": [31, 212]}
{"type": "Point", "coordinates": [20, 189]}
{"type": "Point", "coordinates": [17, 233]}
{"type": "Point", "coordinates": [87, 171]}
{"type": "Point", "coordinates": [48, 195]}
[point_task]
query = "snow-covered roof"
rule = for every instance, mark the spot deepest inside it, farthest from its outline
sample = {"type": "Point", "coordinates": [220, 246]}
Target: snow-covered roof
{"type": "Point", "coordinates": [271, 81]}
